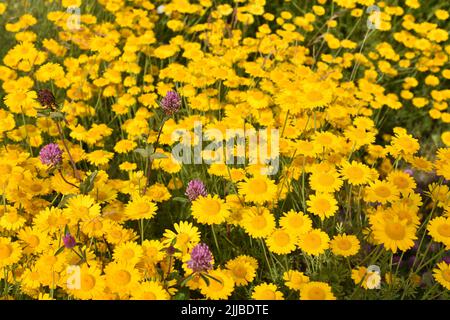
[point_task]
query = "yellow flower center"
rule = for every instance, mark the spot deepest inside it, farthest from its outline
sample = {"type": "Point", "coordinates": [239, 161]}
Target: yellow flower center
{"type": "Point", "coordinates": [296, 222]}
{"type": "Point", "coordinates": [151, 252]}
{"type": "Point", "coordinates": [316, 293]}
{"type": "Point", "coordinates": [52, 221]}
{"type": "Point", "coordinates": [324, 140]}
{"type": "Point", "coordinates": [306, 146]}
{"type": "Point", "coordinates": [258, 186]}
{"type": "Point", "coordinates": [444, 230]}
{"type": "Point", "coordinates": [382, 191]}
{"type": "Point", "coordinates": [5, 251]}
{"type": "Point", "coordinates": [240, 271]}
{"type": "Point", "coordinates": [259, 222]}
{"type": "Point", "coordinates": [34, 275]}
{"type": "Point", "coordinates": [355, 173]}
{"type": "Point", "coordinates": [313, 240]}
{"type": "Point", "coordinates": [395, 231]}
{"type": "Point", "coordinates": [314, 95]}
{"type": "Point", "coordinates": [404, 215]}
{"type": "Point", "coordinates": [83, 211]}
{"type": "Point", "coordinates": [216, 285]}
{"type": "Point", "coordinates": [128, 254]}
{"type": "Point", "coordinates": [149, 296]}
{"type": "Point", "coordinates": [21, 95]}
{"type": "Point", "coordinates": [142, 208]}
{"type": "Point", "coordinates": [212, 207]}
{"type": "Point", "coordinates": [33, 241]}
{"type": "Point", "coordinates": [5, 169]}
{"type": "Point", "coordinates": [50, 260]}
{"type": "Point", "coordinates": [344, 244]}
{"type": "Point", "coordinates": [116, 234]}
{"type": "Point", "coordinates": [325, 179]}
{"type": "Point", "coordinates": [323, 205]}
{"type": "Point", "coordinates": [281, 238]}
{"type": "Point", "coordinates": [268, 294]}
{"type": "Point", "coordinates": [182, 239]}
{"type": "Point", "coordinates": [101, 196]}
{"type": "Point", "coordinates": [446, 275]}
{"type": "Point", "coordinates": [87, 282]}
{"type": "Point", "coordinates": [122, 277]}
{"type": "Point", "coordinates": [401, 182]}
{"type": "Point", "coordinates": [35, 187]}
{"type": "Point", "coordinates": [12, 217]}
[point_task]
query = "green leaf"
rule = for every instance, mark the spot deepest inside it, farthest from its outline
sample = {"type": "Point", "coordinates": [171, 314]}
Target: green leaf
{"type": "Point", "coordinates": [180, 199]}
{"type": "Point", "coordinates": [210, 276]}
{"type": "Point", "coordinates": [203, 276]}
{"type": "Point", "coordinates": [186, 280]}
{"type": "Point", "coordinates": [59, 250]}
{"type": "Point", "coordinates": [180, 296]}
{"type": "Point", "coordinates": [88, 184]}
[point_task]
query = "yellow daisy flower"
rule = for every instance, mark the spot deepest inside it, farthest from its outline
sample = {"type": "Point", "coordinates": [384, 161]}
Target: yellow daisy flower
{"type": "Point", "coordinates": [442, 274]}
{"type": "Point", "coordinates": [322, 204]}
{"type": "Point", "coordinates": [296, 222]}
{"type": "Point", "coordinates": [267, 291]}
{"type": "Point", "coordinates": [150, 290]}
{"type": "Point", "coordinates": [439, 230]}
{"type": "Point", "coordinates": [315, 290]}
{"type": "Point", "coordinates": [258, 222]}
{"type": "Point", "coordinates": [210, 210]}
{"type": "Point", "coordinates": [327, 181]}
{"type": "Point", "coordinates": [186, 236]}
{"type": "Point", "coordinates": [393, 233]}
{"type": "Point", "coordinates": [128, 253]}
{"type": "Point", "coordinates": [258, 189]}
{"type": "Point", "coordinates": [345, 245]}
{"type": "Point", "coordinates": [121, 278]}
{"type": "Point", "coordinates": [140, 207]}
{"type": "Point", "coordinates": [10, 252]}
{"type": "Point", "coordinates": [314, 242]}
{"type": "Point", "coordinates": [243, 272]}
{"type": "Point", "coordinates": [381, 191]}
{"type": "Point", "coordinates": [281, 242]}
{"type": "Point", "coordinates": [295, 279]}
{"type": "Point", "coordinates": [221, 287]}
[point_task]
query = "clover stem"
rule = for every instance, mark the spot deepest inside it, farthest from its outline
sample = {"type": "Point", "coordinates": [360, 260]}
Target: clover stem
{"type": "Point", "coordinates": [74, 168]}
{"type": "Point", "coordinates": [150, 161]}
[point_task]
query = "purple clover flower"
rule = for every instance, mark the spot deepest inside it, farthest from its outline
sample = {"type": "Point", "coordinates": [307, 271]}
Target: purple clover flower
{"type": "Point", "coordinates": [195, 188]}
{"type": "Point", "coordinates": [51, 154]}
{"type": "Point", "coordinates": [69, 241]}
{"type": "Point", "coordinates": [171, 103]}
{"type": "Point", "coordinates": [201, 258]}
{"type": "Point", "coordinates": [46, 98]}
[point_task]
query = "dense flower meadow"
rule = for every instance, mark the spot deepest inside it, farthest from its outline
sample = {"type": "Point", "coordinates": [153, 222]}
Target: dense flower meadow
{"type": "Point", "coordinates": [338, 190]}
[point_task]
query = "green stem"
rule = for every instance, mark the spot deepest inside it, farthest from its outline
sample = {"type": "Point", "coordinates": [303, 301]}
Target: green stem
{"type": "Point", "coordinates": [215, 239]}
{"type": "Point", "coordinates": [267, 260]}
